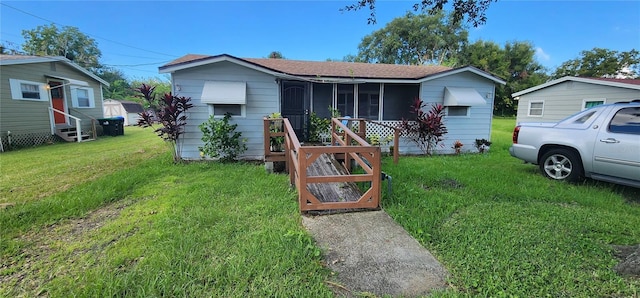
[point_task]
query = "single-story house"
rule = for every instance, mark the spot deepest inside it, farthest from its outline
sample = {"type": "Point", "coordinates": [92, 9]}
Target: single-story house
{"type": "Point", "coordinates": [558, 99]}
{"type": "Point", "coordinates": [252, 88]}
{"type": "Point", "coordinates": [129, 110]}
{"type": "Point", "coordinates": [43, 96]}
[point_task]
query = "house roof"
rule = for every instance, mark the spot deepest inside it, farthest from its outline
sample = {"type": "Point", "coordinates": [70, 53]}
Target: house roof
{"type": "Point", "coordinates": [622, 83]}
{"type": "Point", "coordinates": [26, 59]}
{"type": "Point", "coordinates": [131, 106]}
{"type": "Point", "coordinates": [323, 70]}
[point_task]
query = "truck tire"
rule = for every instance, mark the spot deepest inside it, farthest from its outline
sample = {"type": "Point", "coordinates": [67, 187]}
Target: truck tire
{"type": "Point", "coordinates": [561, 164]}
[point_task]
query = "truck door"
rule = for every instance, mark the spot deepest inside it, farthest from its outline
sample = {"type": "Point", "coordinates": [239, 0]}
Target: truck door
{"type": "Point", "coordinates": [617, 148]}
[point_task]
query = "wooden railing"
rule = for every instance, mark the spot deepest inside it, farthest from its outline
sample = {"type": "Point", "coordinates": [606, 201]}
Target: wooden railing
{"type": "Point", "coordinates": [346, 145]}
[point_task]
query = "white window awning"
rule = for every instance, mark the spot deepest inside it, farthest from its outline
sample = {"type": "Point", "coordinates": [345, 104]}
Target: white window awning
{"type": "Point", "coordinates": [466, 97]}
{"type": "Point", "coordinates": [70, 81]}
{"type": "Point", "coordinates": [222, 92]}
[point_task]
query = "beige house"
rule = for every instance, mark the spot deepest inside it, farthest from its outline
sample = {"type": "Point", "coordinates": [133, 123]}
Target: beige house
{"type": "Point", "coordinates": [558, 99]}
{"type": "Point", "coordinates": [46, 99]}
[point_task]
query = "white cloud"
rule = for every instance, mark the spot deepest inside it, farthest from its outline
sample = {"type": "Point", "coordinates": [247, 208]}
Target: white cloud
{"type": "Point", "coordinates": [541, 55]}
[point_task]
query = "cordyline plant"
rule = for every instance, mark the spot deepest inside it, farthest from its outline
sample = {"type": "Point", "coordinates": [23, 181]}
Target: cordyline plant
{"type": "Point", "coordinates": [168, 110]}
{"type": "Point", "coordinates": [428, 129]}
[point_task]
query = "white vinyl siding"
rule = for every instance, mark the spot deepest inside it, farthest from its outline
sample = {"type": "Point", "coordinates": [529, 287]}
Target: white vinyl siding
{"type": "Point", "coordinates": [82, 97]}
{"type": "Point", "coordinates": [27, 90]}
{"type": "Point", "coordinates": [536, 109]}
{"type": "Point", "coordinates": [262, 98]}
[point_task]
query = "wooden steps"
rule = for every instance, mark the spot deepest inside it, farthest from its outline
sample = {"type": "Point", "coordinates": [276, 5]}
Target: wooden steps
{"type": "Point", "coordinates": [70, 134]}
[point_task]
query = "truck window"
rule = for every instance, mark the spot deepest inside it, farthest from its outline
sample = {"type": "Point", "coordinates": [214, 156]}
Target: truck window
{"type": "Point", "coordinates": [626, 120]}
{"type": "Point", "coordinates": [584, 118]}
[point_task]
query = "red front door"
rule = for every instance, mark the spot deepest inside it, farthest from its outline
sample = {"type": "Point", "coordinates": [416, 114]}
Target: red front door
{"type": "Point", "coordinates": [57, 101]}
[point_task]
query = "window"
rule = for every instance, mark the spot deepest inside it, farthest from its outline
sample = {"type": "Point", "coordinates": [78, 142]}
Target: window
{"type": "Point", "coordinates": [536, 108]}
{"type": "Point", "coordinates": [458, 111]}
{"type": "Point", "coordinates": [590, 103]}
{"type": "Point", "coordinates": [26, 90]}
{"type": "Point", "coordinates": [222, 109]}
{"type": "Point", "coordinates": [626, 121]}
{"type": "Point", "coordinates": [82, 97]}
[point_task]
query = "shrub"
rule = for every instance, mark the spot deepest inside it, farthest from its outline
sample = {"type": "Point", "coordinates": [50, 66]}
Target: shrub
{"type": "Point", "coordinates": [428, 129]}
{"type": "Point", "coordinates": [170, 111]}
{"type": "Point", "coordinates": [221, 140]}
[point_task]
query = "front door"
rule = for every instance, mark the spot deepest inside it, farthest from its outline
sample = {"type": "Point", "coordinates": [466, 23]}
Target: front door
{"type": "Point", "coordinates": [57, 102]}
{"type": "Point", "coordinates": [295, 106]}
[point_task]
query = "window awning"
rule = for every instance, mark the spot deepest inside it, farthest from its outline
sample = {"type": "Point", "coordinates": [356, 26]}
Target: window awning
{"type": "Point", "coordinates": [458, 96]}
{"type": "Point", "coordinates": [69, 81]}
{"type": "Point", "coordinates": [221, 92]}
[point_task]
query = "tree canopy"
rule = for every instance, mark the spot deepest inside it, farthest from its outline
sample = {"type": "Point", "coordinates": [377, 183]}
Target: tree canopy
{"type": "Point", "coordinates": [275, 55]}
{"type": "Point", "coordinates": [600, 62]}
{"type": "Point", "coordinates": [515, 63]}
{"type": "Point", "coordinates": [414, 39]}
{"type": "Point", "coordinates": [475, 10]}
{"type": "Point", "coordinates": [69, 42]}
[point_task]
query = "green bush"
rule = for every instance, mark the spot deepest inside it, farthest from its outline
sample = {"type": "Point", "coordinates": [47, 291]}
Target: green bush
{"type": "Point", "coordinates": [221, 140]}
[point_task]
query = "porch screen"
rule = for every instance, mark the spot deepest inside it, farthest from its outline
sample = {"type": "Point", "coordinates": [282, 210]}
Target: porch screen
{"type": "Point", "coordinates": [223, 92]}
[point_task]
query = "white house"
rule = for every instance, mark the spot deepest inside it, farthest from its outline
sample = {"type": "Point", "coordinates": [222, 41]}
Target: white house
{"type": "Point", "coordinates": [251, 89]}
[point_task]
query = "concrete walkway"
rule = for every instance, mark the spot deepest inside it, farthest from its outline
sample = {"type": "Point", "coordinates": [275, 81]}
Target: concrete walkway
{"type": "Point", "coordinates": [371, 253]}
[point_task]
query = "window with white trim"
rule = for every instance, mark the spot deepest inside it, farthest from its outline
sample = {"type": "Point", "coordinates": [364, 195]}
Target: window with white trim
{"type": "Point", "coordinates": [590, 103]}
{"type": "Point", "coordinates": [222, 109]}
{"type": "Point", "coordinates": [82, 97]}
{"type": "Point", "coordinates": [457, 111]}
{"type": "Point", "coordinates": [27, 90]}
{"type": "Point", "coordinates": [536, 108]}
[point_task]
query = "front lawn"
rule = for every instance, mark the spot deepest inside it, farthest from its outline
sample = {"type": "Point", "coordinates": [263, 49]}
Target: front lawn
{"type": "Point", "coordinates": [116, 218]}
{"type": "Point", "coordinates": [501, 228]}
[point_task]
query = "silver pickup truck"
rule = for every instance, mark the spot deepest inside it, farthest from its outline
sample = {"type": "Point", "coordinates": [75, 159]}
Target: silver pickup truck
{"type": "Point", "coordinates": [601, 143]}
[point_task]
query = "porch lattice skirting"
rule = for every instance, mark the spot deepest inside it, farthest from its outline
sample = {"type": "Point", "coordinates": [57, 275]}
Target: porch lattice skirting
{"type": "Point", "coordinates": [27, 140]}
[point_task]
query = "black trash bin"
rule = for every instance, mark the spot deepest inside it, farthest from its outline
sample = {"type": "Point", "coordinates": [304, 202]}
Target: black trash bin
{"type": "Point", "coordinates": [112, 126]}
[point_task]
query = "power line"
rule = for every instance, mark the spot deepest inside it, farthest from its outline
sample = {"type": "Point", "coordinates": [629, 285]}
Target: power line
{"type": "Point", "coordinates": [93, 35]}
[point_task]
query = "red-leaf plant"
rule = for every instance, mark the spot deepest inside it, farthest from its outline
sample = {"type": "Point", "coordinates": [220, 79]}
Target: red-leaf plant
{"type": "Point", "coordinates": [427, 129]}
{"type": "Point", "coordinates": [168, 110]}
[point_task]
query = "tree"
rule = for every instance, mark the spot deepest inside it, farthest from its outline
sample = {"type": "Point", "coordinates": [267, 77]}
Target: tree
{"type": "Point", "coordinates": [600, 62]}
{"type": "Point", "coordinates": [119, 87]}
{"type": "Point", "coordinates": [170, 111]}
{"type": "Point", "coordinates": [69, 42]}
{"type": "Point", "coordinates": [161, 85]}
{"type": "Point", "coordinates": [276, 55]}
{"type": "Point", "coordinates": [515, 63]}
{"type": "Point", "coordinates": [473, 9]}
{"type": "Point", "coordinates": [414, 39]}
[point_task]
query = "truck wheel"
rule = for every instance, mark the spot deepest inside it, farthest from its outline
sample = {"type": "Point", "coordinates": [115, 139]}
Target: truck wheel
{"type": "Point", "coordinates": [561, 164]}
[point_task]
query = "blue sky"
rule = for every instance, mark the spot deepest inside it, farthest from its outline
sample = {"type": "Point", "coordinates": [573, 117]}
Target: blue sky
{"type": "Point", "coordinates": [139, 36]}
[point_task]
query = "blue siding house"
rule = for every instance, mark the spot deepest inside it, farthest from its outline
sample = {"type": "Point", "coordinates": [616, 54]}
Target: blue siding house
{"type": "Point", "coordinates": [252, 88]}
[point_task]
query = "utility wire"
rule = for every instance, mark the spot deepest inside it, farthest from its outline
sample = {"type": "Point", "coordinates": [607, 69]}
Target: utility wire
{"type": "Point", "coordinates": [93, 35]}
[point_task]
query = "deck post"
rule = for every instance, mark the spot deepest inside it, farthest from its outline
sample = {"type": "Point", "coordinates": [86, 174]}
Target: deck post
{"type": "Point", "coordinates": [396, 148]}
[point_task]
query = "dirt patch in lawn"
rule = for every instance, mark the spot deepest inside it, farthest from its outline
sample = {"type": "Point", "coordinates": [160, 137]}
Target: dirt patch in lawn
{"type": "Point", "coordinates": [629, 256]}
{"type": "Point", "coordinates": [27, 271]}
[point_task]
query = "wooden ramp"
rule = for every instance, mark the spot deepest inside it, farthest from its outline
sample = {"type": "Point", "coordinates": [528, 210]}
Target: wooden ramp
{"type": "Point", "coordinates": [322, 182]}
{"type": "Point", "coordinates": [327, 165]}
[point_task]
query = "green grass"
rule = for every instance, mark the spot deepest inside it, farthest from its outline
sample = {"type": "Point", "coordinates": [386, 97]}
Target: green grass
{"type": "Point", "coordinates": [502, 229]}
{"type": "Point", "coordinates": [195, 229]}
{"type": "Point", "coordinates": [133, 223]}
